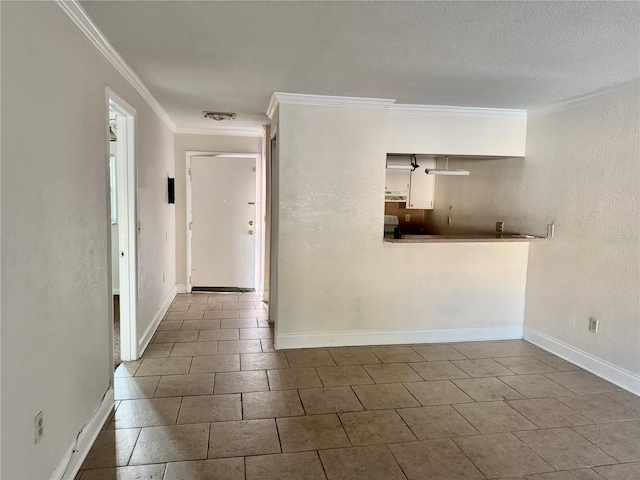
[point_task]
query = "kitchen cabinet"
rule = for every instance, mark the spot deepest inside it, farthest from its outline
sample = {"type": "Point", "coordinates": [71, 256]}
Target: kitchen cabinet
{"type": "Point", "coordinates": [396, 186]}
{"type": "Point", "coordinates": [422, 186]}
{"type": "Point", "coordinates": [456, 131]}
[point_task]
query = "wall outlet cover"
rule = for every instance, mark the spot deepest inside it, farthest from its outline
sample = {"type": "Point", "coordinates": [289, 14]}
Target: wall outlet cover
{"type": "Point", "coordinates": [38, 424]}
{"type": "Point", "coordinates": [593, 325]}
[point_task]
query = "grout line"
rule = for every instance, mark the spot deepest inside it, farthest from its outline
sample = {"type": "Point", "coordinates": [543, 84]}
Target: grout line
{"type": "Point", "coordinates": [244, 459]}
{"type": "Point", "coordinates": [344, 429]}
{"type": "Point", "coordinates": [266, 372]}
{"type": "Point", "coordinates": [406, 475]}
{"type": "Point", "coordinates": [405, 422]}
{"type": "Point", "coordinates": [208, 439]}
{"type": "Point", "coordinates": [324, 471]}
{"type": "Point", "coordinates": [357, 398]}
{"type": "Point", "coordinates": [315, 369]}
{"type": "Point", "coordinates": [275, 421]}
{"type": "Point", "coordinates": [134, 446]}
{"type": "Point", "coordinates": [474, 464]}
{"type": "Point", "coordinates": [411, 393]}
{"type": "Point", "coordinates": [301, 402]}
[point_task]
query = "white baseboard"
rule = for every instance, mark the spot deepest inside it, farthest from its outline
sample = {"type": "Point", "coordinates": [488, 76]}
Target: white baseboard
{"type": "Point", "coordinates": [116, 291]}
{"type": "Point", "coordinates": [71, 462]}
{"type": "Point", "coordinates": [146, 338]}
{"type": "Point", "coordinates": [616, 375]}
{"type": "Point", "coordinates": [265, 296]}
{"type": "Point", "coordinates": [376, 337]}
{"type": "Point", "coordinates": [181, 288]}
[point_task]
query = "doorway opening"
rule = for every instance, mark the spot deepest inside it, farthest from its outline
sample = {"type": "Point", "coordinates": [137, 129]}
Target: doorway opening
{"type": "Point", "coordinates": [123, 227]}
{"type": "Point", "coordinates": [225, 222]}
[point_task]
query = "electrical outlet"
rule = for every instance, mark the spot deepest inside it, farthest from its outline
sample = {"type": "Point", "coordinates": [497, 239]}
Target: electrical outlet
{"type": "Point", "coordinates": [448, 220]}
{"type": "Point", "coordinates": [407, 218]}
{"type": "Point", "coordinates": [38, 424]}
{"type": "Point", "coordinates": [499, 227]}
{"type": "Point", "coordinates": [162, 277]}
{"type": "Point", "coordinates": [551, 230]}
{"type": "Point", "coordinates": [593, 325]}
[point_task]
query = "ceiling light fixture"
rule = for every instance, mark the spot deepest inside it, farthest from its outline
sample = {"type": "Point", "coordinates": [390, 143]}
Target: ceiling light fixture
{"type": "Point", "coordinates": [219, 116]}
{"type": "Point", "coordinates": [446, 171]}
{"type": "Point", "coordinates": [411, 167]}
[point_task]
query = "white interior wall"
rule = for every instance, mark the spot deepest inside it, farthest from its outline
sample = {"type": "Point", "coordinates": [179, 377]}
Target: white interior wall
{"type": "Point", "coordinates": [199, 143]}
{"type": "Point", "coordinates": [583, 172]}
{"type": "Point", "coordinates": [338, 281]}
{"type": "Point", "coordinates": [56, 333]}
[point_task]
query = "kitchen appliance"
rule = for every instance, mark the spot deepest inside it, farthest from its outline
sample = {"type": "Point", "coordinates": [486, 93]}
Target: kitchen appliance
{"type": "Point", "coordinates": [390, 223]}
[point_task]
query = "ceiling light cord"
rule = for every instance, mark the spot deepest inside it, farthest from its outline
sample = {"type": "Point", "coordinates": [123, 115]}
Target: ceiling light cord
{"type": "Point", "coordinates": [414, 163]}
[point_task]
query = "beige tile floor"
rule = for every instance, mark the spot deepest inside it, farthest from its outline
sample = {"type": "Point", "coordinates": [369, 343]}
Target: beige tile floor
{"type": "Point", "coordinates": [211, 399]}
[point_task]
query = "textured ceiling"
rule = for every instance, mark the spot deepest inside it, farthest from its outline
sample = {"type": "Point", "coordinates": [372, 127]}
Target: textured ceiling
{"type": "Point", "coordinates": [231, 56]}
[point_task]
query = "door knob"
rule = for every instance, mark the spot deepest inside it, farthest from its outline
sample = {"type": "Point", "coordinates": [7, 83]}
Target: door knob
{"type": "Point", "coordinates": [251, 232]}
{"type": "Point", "coordinates": [250, 222]}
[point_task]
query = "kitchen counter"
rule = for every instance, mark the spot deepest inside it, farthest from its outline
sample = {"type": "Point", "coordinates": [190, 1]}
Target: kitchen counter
{"type": "Point", "coordinates": [463, 238]}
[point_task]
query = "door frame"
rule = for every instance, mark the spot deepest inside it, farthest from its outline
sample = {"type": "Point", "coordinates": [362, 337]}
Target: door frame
{"type": "Point", "coordinates": [127, 207]}
{"type": "Point", "coordinates": [260, 212]}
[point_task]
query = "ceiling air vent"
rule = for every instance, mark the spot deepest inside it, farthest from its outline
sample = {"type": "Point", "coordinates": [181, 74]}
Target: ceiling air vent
{"type": "Point", "coordinates": [219, 116]}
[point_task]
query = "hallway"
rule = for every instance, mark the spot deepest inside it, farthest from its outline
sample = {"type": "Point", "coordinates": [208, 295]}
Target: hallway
{"type": "Point", "coordinates": [211, 399]}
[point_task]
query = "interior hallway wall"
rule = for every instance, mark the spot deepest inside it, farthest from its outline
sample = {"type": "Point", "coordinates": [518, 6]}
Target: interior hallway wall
{"type": "Point", "coordinates": [583, 172]}
{"type": "Point", "coordinates": [199, 143]}
{"type": "Point", "coordinates": [337, 280]}
{"type": "Point", "coordinates": [56, 291]}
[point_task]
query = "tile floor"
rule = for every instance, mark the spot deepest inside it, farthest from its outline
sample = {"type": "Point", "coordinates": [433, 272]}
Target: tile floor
{"type": "Point", "coordinates": [212, 400]}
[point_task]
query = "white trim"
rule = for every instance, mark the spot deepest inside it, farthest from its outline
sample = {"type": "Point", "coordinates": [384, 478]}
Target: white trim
{"type": "Point", "coordinates": [375, 337]}
{"type": "Point", "coordinates": [85, 24]}
{"type": "Point", "coordinates": [458, 111]}
{"type": "Point", "coordinates": [616, 375]}
{"type": "Point", "coordinates": [151, 329]}
{"type": "Point", "coordinates": [272, 108]}
{"type": "Point", "coordinates": [229, 131]}
{"type": "Point", "coordinates": [127, 173]}
{"type": "Point", "coordinates": [603, 93]}
{"type": "Point", "coordinates": [326, 100]}
{"type": "Point", "coordinates": [181, 288]}
{"type": "Point", "coordinates": [116, 291]}
{"type": "Point", "coordinates": [71, 463]}
{"type": "Point", "coordinates": [265, 296]}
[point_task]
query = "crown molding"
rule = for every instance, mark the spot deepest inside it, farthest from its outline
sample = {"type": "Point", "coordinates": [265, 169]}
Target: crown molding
{"type": "Point", "coordinates": [85, 24]}
{"type": "Point", "coordinates": [458, 111]}
{"type": "Point", "coordinates": [273, 105]}
{"type": "Point", "coordinates": [230, 131]}
{"type": "Point", "coordinates": [326, 100]}
{"type": "Point", "coordinates": [601, 94]}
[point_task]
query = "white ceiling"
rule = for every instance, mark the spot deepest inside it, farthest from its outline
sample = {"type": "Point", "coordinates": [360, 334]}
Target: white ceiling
{"type": "Point", "coordinates": [231, 56]}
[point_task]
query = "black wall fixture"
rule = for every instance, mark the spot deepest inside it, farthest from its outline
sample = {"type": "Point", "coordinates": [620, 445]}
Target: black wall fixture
{"type": "Point", "coordinates": [171, 184]}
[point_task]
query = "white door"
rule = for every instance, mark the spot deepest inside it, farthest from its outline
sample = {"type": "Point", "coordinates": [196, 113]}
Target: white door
{"type": "Point", "coordinates": [223, 213]}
